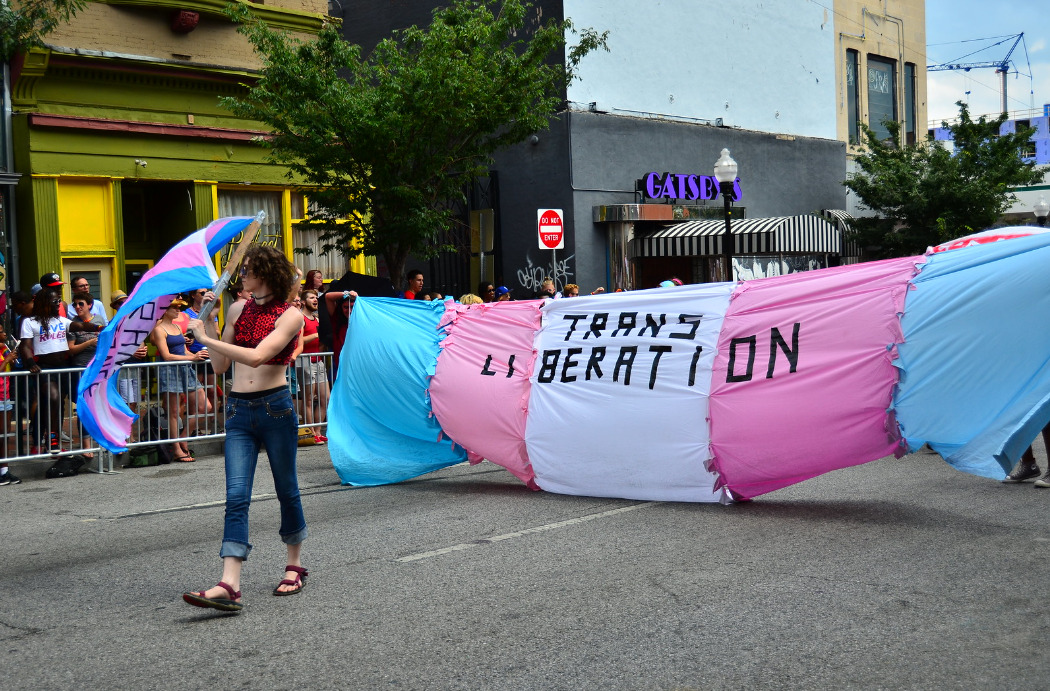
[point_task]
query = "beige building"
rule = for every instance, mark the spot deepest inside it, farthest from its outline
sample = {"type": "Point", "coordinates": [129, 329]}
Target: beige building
{"type": "Point", "coordinates": [880, 67]}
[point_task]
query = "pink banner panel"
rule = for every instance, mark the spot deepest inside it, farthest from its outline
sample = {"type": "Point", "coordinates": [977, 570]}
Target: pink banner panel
{"type": "Point", "coordinates": [803, 378]}
{"type": "Point", "coordinates": [480, 390]}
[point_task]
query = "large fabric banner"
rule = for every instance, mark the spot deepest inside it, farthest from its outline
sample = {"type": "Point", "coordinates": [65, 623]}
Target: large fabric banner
{"type": "Point", "coordinates": [620, 390]}
{"type": "Point", "coordinates": [686, 393]}
{"type": "Point", "coordinates": [380, 425]}
{"type": "Point", "coordinates": [976, 356]}
{"type": "Point", "coordinates": [804, 375]}
{"type": "Point", "coordinates": [480, 391]}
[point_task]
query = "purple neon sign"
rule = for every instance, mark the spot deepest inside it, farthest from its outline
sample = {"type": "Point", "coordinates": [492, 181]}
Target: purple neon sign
{"type": "Point", "coordinates": [685, 186]}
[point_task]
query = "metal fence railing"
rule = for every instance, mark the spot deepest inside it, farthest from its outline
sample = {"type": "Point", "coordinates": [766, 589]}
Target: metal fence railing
{"type": "Point", "coordinates": [38, 417]}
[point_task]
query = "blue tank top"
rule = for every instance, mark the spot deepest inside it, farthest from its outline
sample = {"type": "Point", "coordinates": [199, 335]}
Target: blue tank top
{"type": "Point", "coordinates": [176, 344]}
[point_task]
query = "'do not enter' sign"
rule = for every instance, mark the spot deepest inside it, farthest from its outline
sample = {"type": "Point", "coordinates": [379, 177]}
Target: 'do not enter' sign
{"type": "Point", "coordinates": [551, 229]}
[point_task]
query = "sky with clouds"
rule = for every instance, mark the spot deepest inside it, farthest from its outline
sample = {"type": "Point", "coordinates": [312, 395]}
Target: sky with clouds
{"type": "Point", "coordinates": [951, 29]}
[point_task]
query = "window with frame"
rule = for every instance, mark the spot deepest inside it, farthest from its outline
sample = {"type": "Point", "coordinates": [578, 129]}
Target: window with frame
{"type": "Point", "coordinates": [882, 95]}
{"type": "Point", "coordinates": [852, 97]}
{"type": "Point", "coordinates": [910, 132]}
{"type": "Point", "coordinates": [307, 243]}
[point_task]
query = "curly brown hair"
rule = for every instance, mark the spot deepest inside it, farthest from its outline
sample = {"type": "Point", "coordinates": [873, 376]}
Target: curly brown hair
{"type": "Point", "coordinates": [272, 268]}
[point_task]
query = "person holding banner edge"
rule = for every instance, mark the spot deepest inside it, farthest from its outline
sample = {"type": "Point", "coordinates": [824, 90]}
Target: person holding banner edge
{"type": "Point", "coordinates": [260, 337]}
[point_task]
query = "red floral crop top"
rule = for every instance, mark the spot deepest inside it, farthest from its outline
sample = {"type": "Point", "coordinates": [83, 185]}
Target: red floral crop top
{"type": "Point", "coordinates": [257, 322]}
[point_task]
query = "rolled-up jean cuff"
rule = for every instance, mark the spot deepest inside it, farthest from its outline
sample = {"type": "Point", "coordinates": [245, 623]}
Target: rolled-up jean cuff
{"type": "Point", "coordinates": [294, 538]}
{"type": "Point", "coordinates": [235, 549]}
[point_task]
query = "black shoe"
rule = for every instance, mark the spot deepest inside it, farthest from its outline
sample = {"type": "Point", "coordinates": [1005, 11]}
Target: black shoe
{"type": "Point", "coordinates": [1022, 472]}
{"type": "Point", "coordinates": [1041, 482]}
{"type": "Point", "coordinates": [10, 478]}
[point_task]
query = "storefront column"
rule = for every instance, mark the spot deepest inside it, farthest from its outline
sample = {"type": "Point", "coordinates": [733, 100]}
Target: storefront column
{"type": "Point", "coordinates": [39, 239]}
{"type": "Point", "coordinates": [621, 268]}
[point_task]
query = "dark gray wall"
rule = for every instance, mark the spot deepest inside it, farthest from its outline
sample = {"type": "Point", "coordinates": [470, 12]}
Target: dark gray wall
{"type": "Point", "coordinates": [589, 159]}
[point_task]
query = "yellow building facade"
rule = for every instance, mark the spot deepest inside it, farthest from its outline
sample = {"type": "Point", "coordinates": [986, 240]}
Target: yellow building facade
{"type": "Point", "coordinates": [124, 149]}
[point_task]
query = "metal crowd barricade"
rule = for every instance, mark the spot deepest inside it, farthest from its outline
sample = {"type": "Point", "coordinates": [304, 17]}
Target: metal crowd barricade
{"type": "Point", "coordinates": [26, 428]}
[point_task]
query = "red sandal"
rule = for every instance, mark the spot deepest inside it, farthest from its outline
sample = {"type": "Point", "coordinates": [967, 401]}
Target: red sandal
{"type": "Point", "coordinates": [197, 599]}
{"type": "Point", "coordinates": [299, 581]}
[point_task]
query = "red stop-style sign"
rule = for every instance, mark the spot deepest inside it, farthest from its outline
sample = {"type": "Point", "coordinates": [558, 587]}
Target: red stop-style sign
{"type": "Point", "coordinates": [551, 229]}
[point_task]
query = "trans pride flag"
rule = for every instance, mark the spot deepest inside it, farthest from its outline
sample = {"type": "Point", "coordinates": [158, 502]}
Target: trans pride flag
{"type": "Point", "coordinates": [187, 266]}
{"type": "Point", "coordinates": [709, 392]}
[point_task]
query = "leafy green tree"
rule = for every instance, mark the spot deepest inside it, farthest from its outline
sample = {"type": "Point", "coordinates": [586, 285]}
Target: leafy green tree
{"type": "Point", "coordinates": [25, 23]}
{"type": "Point", "coordinates": [390, 140]}
{"type": "Point", "coordinates": [925, 194]}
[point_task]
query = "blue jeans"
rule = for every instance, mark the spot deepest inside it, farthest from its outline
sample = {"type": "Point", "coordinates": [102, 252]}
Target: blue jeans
{"type": "Point", "coordinates": [268, 422]}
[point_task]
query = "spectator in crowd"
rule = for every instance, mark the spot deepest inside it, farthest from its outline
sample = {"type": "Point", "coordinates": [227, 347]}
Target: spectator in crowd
{"type": "Point", "coordinates": [84, 329]}
{"type": "Point", "coordinates": [1027, 468]}
{"type": "Point", "coordinates": [22, 304]}
{"type": "Point", "coordinates": [7, 357]}
{"type": "Point", "coordinates": [314, 281]}
{"type": "Point", "coordinates": [208, 397]}
{"type": "Point", "coordinates": [503, 294]}
{"type": "Point", "coordinates": [671, 282]}
{"type": "Point", "coordinates": [313, 373]}
{"type": "Point", "coordinates": [53, 281]}
{"type": "Point", "coordinates": [79, 284]}
{"type": "Point", "coordinates": [571, 290]}
{"type": "Point", "coordinates": [260, 337]}
{"type": "Point", "coordinates": [238, 293]}
{"type": "Point", "coordinates": [487, 291]}
{"type": "Point", "coordinates": [547, 289]}
{"type": "Point", "coordinates": [45, 346]}
{"type": "Point", "coordinates": [178, 380]}
{"type": "Point", "coordinates": [414, 278]}
{"type": "Point", "coordinates": [339, 307]}
{"type": "Point", "coordinates": [470, 299]}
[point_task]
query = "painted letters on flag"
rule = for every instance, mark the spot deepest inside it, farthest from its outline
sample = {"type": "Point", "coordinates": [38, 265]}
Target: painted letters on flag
{"type": "Point", "coordinates": [620, 389]}
{"type": "Point", "coordinates": [187, 266]}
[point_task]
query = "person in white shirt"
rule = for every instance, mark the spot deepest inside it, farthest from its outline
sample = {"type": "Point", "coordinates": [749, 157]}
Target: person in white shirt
{"type": "Point", "coordinates": [45, 345]}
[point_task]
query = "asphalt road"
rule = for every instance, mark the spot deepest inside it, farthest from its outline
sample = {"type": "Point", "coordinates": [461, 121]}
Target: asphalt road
{"type": "Point", "coordinates": [896, 574]}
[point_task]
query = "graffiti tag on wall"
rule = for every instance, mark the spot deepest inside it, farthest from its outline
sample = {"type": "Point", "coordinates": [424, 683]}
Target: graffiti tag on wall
{"type": "Point", "coordinates": [532, 275]}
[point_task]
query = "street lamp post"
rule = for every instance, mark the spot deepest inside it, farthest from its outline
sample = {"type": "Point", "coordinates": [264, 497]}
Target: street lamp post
{"type": "Point", "coordinates": [1042, 208]}
{"type": "Point", "coordinates": [725, 173]}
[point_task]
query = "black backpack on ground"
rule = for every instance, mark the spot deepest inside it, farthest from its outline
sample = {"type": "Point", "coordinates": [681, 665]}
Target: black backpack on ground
{"type": "Point", "coordinates": [66, 466]}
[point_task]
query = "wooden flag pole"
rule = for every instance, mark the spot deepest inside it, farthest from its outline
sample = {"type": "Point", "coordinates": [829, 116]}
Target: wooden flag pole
{"type": "Point", "coordinates": [250, 233]}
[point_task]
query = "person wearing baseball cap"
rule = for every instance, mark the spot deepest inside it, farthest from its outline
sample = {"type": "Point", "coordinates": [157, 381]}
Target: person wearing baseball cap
{"type": "Point", "coordinates": [53, 280]}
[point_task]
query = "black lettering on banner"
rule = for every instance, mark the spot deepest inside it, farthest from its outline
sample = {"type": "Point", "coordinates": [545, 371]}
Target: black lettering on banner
{"type": "Point", "coordinates": [692, 365]}
{"type": "Point", "coordinates": [626, 361]}
{"type": "Point", "coordinates": [598, 322]}
{"type": "Point", "coordinates": [650, 323]}
{"type": "Point", "coordinates": [775, 340]}
{"type": "Point", "coordinates": [575, 319]}
{"type": "Point", "coordinates": [510, 366]}
{"type": "Point", "coordinates": [597, 355]}
{"type": "Point", "coordinates": [659, 350]}
{"type": "Point", "coordinates": [693, 319]}
{"type": "Point", "coordinates": [569, 362]}
{"type": "Point", "coordinates": [731, 375]}
{"type": "Point", "coordinates": [626, 323]}
{"type": "Point", "coordinates": [549, 369]}
{"type": "Point", "coordinates": [485, 370]}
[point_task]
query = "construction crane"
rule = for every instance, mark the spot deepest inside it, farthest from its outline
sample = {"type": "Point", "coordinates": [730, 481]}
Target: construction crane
{"type": "Point", "coordinates": [1002, 67]}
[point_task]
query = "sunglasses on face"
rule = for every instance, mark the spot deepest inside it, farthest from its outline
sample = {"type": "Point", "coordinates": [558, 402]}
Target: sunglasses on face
{"type": "Point", "coordinates": [244, 271]}
{"type": "Point", "coordinates": [80, 304]}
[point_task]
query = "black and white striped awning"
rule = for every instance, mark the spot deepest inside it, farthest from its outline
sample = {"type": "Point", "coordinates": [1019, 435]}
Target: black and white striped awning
{"type": "Point", "coordinates": [806, 234]}
{"type": "Point", "coordinates": [844, 221]}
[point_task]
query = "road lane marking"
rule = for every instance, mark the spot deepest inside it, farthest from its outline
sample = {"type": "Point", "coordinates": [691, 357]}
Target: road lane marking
{"type": "Point", "coordinates": [521, 533]}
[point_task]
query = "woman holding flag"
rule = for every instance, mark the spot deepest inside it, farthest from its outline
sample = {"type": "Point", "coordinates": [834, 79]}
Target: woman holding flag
{"type": "Point", "coordinates": [260, 336]}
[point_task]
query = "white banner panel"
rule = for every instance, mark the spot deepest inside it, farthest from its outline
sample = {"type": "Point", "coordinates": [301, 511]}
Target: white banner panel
{"type": "Point", "coordinates": [620, 394]}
